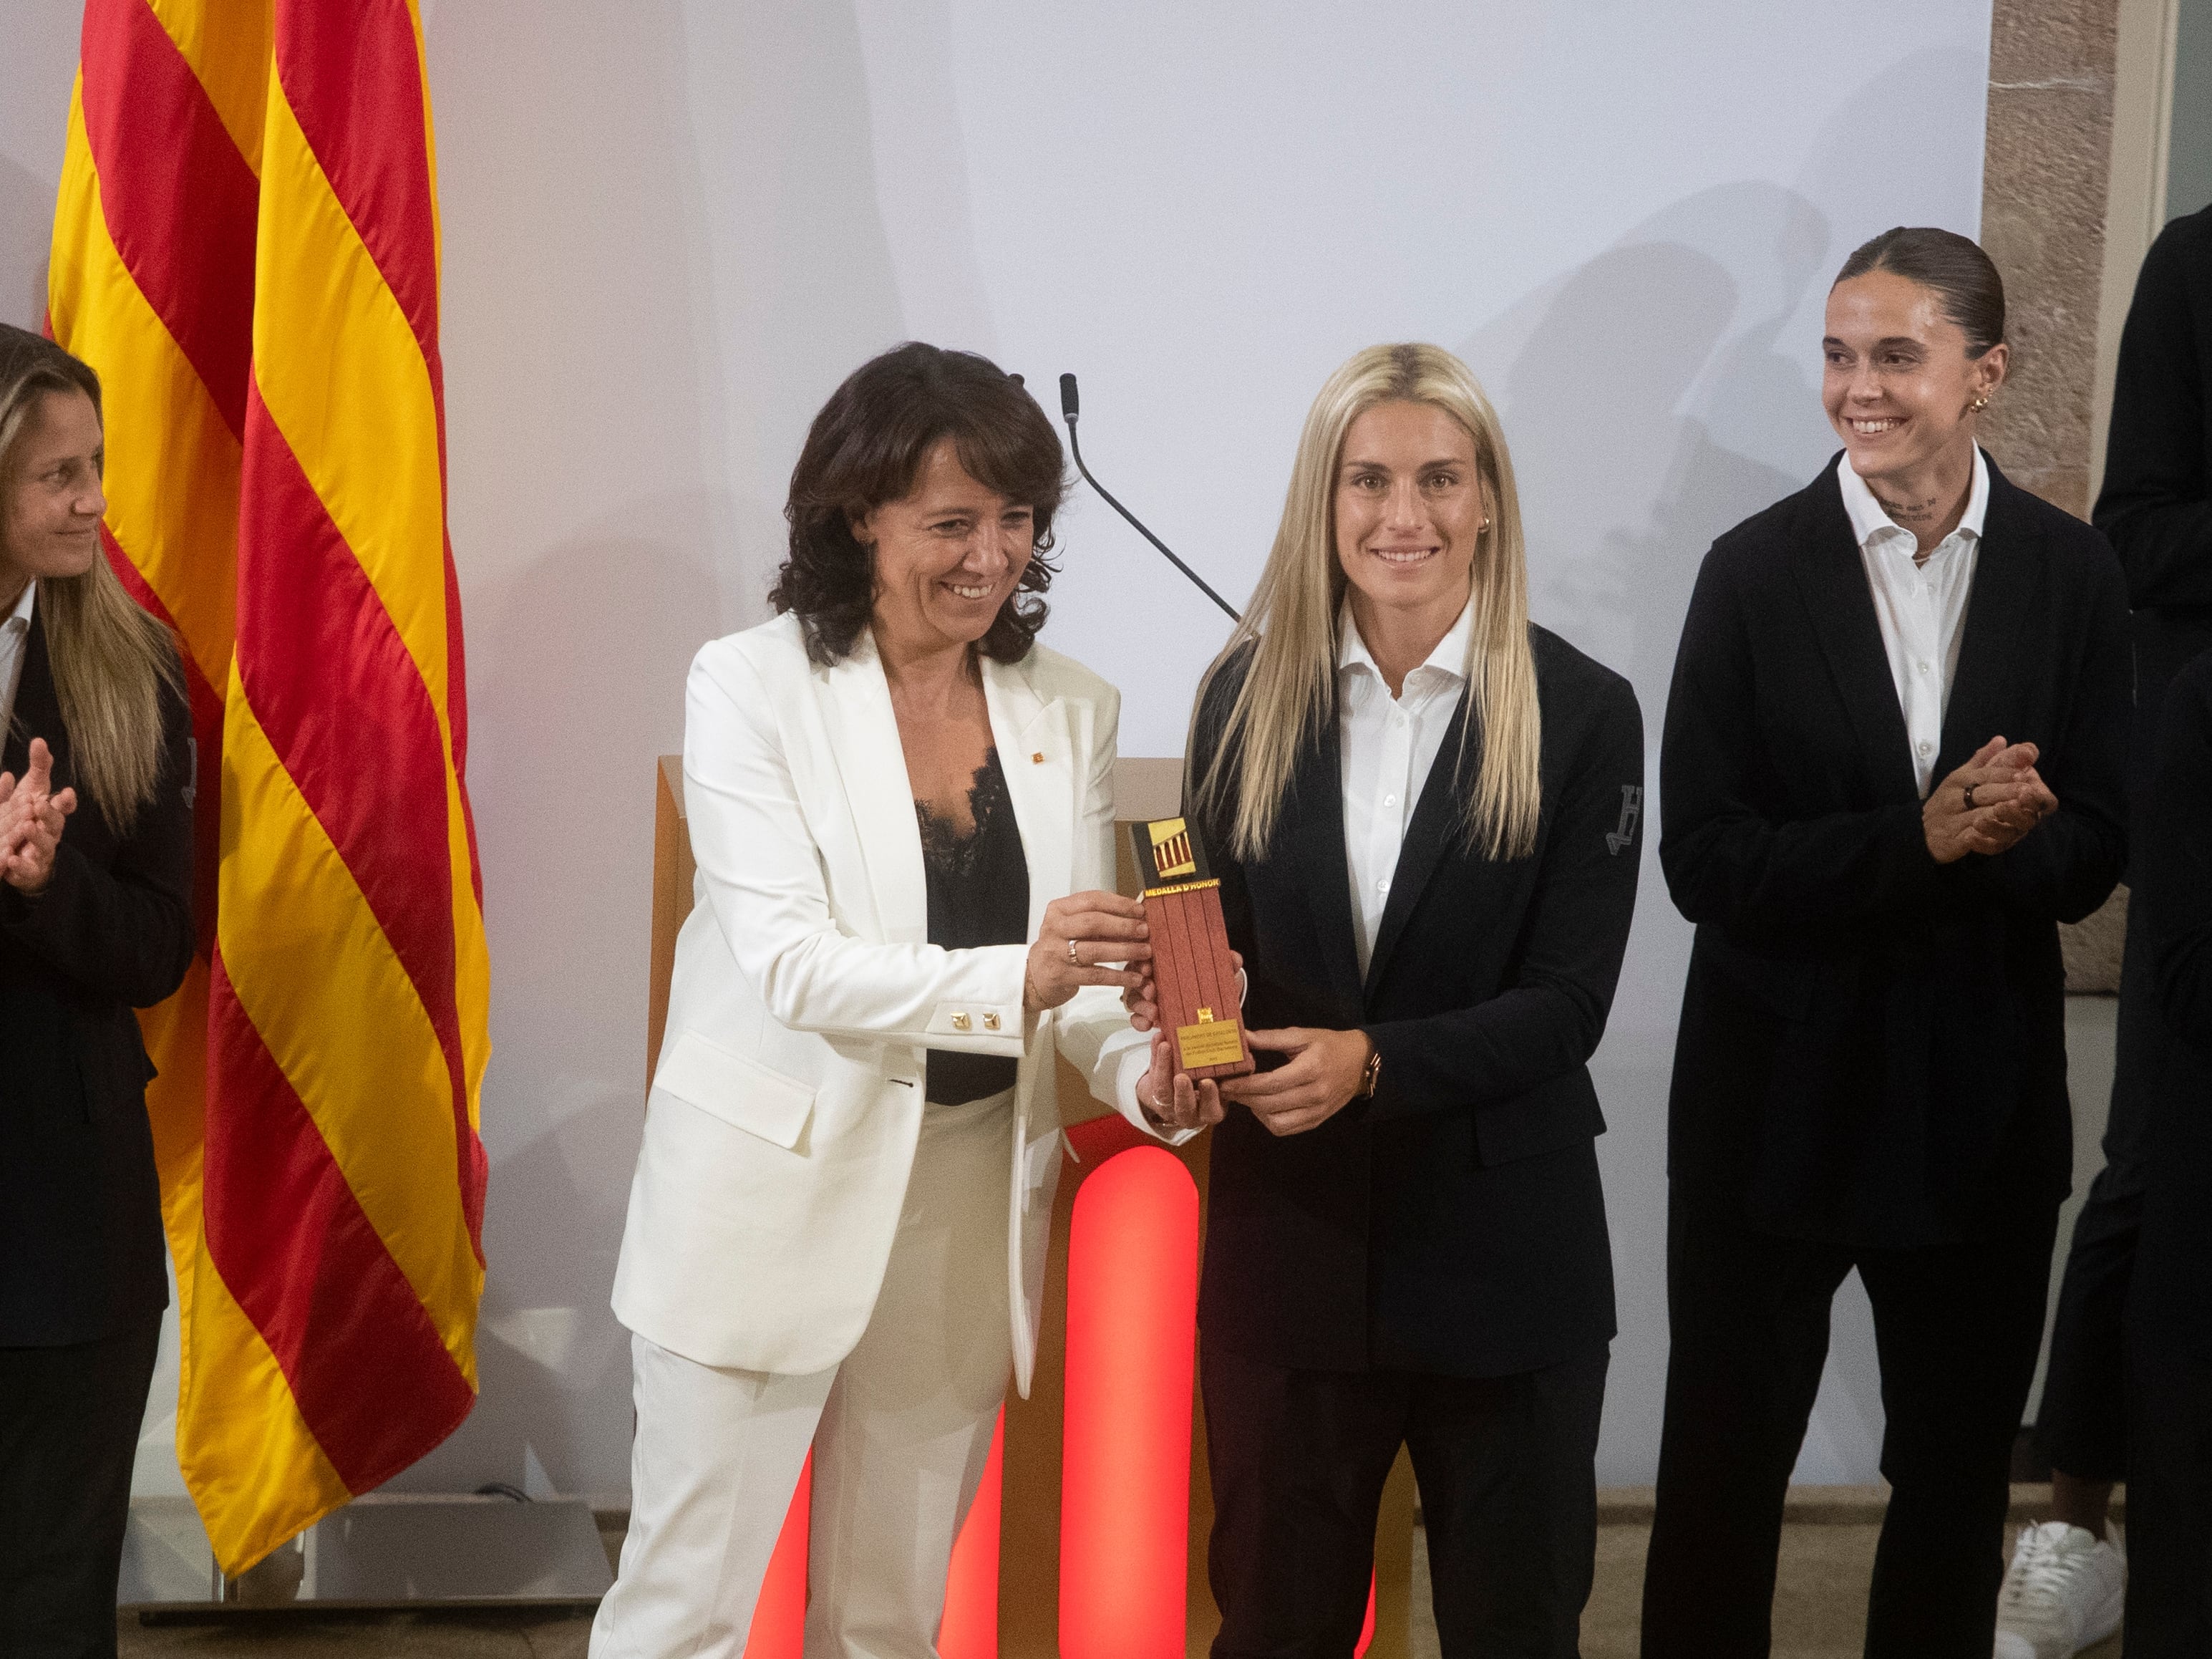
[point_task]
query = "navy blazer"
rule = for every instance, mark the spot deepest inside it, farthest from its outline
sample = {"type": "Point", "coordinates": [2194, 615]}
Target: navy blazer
{"type": "Point", "coordinates": [1872, 1048]}
{"type": "Point", "coordinates": [1453, 1223]}
{"type": "Point", "coordinates": [81, 1243]}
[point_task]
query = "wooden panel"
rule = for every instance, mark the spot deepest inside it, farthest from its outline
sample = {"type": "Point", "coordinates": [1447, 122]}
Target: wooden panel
{"type": "Point", "coordinates": [1029, 1557]}
{"type": "Point", "coordinates": [672, 869]}
{"type": "Point", "coordinates": [1191, 970]}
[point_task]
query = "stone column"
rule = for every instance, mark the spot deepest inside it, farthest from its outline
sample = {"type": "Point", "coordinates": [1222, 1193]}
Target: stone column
{"type": "Point", "coordinates": [2045, 184]}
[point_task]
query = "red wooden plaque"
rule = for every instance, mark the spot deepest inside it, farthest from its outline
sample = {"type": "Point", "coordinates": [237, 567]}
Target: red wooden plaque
{"type": "Point", "coordinates": [1192, 975]}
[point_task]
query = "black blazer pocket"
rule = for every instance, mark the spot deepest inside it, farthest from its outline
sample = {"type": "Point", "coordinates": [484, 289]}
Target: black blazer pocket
{"type": "Point", "coordinates": [113, 1066]}
{"type": "Point", "coordinates": [1554, 1114]}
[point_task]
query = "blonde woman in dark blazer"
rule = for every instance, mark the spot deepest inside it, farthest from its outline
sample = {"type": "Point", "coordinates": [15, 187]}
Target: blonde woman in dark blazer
{"type": "Point", "coordinates": [1424, 811]}
{"type": "Point", "coordinates": [96, 919]}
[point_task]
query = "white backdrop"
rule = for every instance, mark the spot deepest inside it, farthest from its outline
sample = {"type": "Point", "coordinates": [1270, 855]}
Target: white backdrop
{"type": "Point", "coordinates": [672, 225]}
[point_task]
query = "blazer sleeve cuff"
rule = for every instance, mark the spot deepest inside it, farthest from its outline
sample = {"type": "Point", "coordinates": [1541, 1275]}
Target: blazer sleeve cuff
{"type": "Point", "coordinates": [30, 914]}
{"type": "Point", "coordinates": [981, 1010]}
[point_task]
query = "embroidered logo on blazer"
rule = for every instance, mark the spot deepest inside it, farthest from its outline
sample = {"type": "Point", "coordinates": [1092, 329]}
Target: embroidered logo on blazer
{"type": "Point", "coordinates": [1631, 808]}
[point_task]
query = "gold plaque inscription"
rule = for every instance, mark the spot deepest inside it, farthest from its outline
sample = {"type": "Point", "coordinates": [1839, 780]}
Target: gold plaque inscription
{"type": "Point", "coordinates": [1210, 1042]}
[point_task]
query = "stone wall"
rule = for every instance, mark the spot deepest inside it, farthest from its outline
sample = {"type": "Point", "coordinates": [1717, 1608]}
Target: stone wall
{"type": "Point", "coordinates": [2044, 193]}
{"type": "Point", "coordinates": [2044, 189]}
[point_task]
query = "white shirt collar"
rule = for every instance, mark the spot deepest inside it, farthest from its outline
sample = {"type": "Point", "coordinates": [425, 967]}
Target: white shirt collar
{"type": "Point", "coordinates": [1869, 520]}
{"type": "Point", "coordinates": [1449, 658]}
{"type": "Point", "coordinates": [22, 611]}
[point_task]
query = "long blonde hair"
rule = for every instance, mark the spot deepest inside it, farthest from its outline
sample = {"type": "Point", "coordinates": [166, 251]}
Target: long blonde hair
{"type": "Point", "coordinates": [1290, 629]}
{"type": "Point", "coordinates": [109, 658]}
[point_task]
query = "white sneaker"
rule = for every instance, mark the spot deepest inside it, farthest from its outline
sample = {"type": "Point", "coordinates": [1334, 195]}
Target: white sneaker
{"type": "Point", "coordinates": [2063, 1594]}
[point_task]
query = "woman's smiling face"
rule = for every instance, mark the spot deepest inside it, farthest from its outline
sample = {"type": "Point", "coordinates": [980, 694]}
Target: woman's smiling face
{"type": "Point", "coordinates": [1409, 507]}
{"type": "Point", "coordinates": [948, 554]}
{"type": "Point", "coordinates": [50, 516]}
{"type": "Point", "coordinates": [1897, 383]}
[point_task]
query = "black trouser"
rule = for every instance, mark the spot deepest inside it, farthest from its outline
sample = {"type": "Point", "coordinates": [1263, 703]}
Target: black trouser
{"type": "Point", "coordinates": [1508, 1495]}
{"type": "Point", "coordinates": [69, 1418]}
{"type": "Point", "coordinates": [1957, 1328]}
{"type": "Point", "coordinates": [2081, 1425]}
{"type": "Point", "coordinates": [2169, 1614]}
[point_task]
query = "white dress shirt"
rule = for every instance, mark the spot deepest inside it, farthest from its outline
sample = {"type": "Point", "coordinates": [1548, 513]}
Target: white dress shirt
{"type": "Point", "coordinates": [14, 645]}
{"type": "Point", "coordinates": [1386, 746]}
{"type": "Point", "coordinates": [1922, 606]}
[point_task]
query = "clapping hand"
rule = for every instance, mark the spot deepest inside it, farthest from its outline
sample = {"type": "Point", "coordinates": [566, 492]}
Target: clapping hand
{"type": "Point", "coordinates": [32, 817]}
{"type": "Point", "coordinates": [1989, 804]}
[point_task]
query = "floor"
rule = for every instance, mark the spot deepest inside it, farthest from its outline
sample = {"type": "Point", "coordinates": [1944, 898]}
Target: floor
{"type": "Point", "coordinates": [1819, 1604]}
{"type": "Point", "coordinates": [1817, 1614]}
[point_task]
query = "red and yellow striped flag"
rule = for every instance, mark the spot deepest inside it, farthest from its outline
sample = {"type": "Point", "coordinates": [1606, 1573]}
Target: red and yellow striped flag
{"type": "Point", "coordinates": [246, 250]}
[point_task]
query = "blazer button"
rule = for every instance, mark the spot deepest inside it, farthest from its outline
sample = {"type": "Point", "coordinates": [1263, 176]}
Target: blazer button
{"type": "Point", "coordinates": [961, 1022]}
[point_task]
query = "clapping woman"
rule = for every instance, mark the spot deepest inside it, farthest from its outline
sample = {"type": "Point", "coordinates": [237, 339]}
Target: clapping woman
{"type": "Point", "coordinates": [1893, 761]}
{"type": "Point", "coordinates": [96, 919]}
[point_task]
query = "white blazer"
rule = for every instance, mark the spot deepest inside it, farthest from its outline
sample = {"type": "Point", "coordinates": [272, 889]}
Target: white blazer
{"type": "Point", "coordinates": [788, 1097]}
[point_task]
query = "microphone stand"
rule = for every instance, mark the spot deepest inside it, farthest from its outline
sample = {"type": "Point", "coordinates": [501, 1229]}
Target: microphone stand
{"type": "Point", "coordinates": [1068, 406]}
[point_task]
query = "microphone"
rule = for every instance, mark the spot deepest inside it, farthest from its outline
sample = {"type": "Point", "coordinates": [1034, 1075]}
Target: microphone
{"type": "Point", "coordinates": [1069, 407]}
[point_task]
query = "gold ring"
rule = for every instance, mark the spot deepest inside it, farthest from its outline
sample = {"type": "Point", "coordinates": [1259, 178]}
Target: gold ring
{"type": "Point", "coordinates": [1073, 960]}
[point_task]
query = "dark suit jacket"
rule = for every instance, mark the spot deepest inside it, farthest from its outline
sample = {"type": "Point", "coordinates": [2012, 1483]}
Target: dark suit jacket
{"type": "Point", "coordinates": [1872, 1048]}
{"type": "Point", "coordinates": [2156, 503]}
{"type": "Point", "coordinates": [1453, 1224]}
{"type": "Point", "coordinates": [81, 1243]}
{"type": "Point", "coordinates": [2170, 1294]}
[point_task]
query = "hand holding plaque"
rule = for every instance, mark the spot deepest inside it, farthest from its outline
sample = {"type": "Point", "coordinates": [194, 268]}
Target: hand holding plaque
{"type": "Point", "coordinates": [1194, 971]}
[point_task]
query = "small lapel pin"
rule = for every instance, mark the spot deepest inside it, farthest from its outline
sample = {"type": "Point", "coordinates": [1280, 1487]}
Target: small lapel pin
{"type": "Point", "coordinates": [1038, 757]}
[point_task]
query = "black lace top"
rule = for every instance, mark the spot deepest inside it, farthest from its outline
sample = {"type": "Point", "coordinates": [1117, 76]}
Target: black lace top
{"type": "Point", "coordinates": [979, 894]}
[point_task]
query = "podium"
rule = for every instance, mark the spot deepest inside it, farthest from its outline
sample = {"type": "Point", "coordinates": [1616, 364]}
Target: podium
{"type": "Point", "coordinates": [1045, 1589]}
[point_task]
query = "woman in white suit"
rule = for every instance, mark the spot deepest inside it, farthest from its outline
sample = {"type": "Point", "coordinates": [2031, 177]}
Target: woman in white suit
{"type": "Point", "coordinates": [902, 808]}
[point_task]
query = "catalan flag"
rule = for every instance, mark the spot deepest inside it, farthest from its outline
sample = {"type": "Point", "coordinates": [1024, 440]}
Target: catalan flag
{"type": "Point", "coordinates": [246, 248]}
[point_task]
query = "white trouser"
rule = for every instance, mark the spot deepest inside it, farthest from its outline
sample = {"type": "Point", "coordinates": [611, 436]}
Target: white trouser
{"type": "Point", "coordinates": [901, 1429]}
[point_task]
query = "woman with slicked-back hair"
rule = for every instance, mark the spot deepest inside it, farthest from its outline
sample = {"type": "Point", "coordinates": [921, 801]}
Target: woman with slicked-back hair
{"type": "Point", "coordinates": [1425, 814]}
{"type": "Point", "coordinates": [1893, 763]}
{"type": "Point", "coordinates": [96, 919]}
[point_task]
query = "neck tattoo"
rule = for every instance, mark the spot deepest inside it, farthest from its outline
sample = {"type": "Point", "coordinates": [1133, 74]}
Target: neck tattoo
{"type": "Point", "coordinates": [1904, 512]}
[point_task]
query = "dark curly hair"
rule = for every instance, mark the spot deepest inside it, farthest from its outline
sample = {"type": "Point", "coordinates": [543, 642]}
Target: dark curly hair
{"type": "Point", "coordinates": [867, 447]}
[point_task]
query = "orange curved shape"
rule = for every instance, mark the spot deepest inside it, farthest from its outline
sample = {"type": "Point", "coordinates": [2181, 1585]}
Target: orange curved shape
{"type": "Point", "coordinates": [1125, 1470]}
{"type": "Point", "coordinates": [969, 1628]}
{"type": "Point", "coordinates": [779, 1626]}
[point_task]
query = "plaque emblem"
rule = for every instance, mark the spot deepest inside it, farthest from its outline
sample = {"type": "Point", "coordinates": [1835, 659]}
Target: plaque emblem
{"type": "Point", "coordinates": [1171, 854]}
